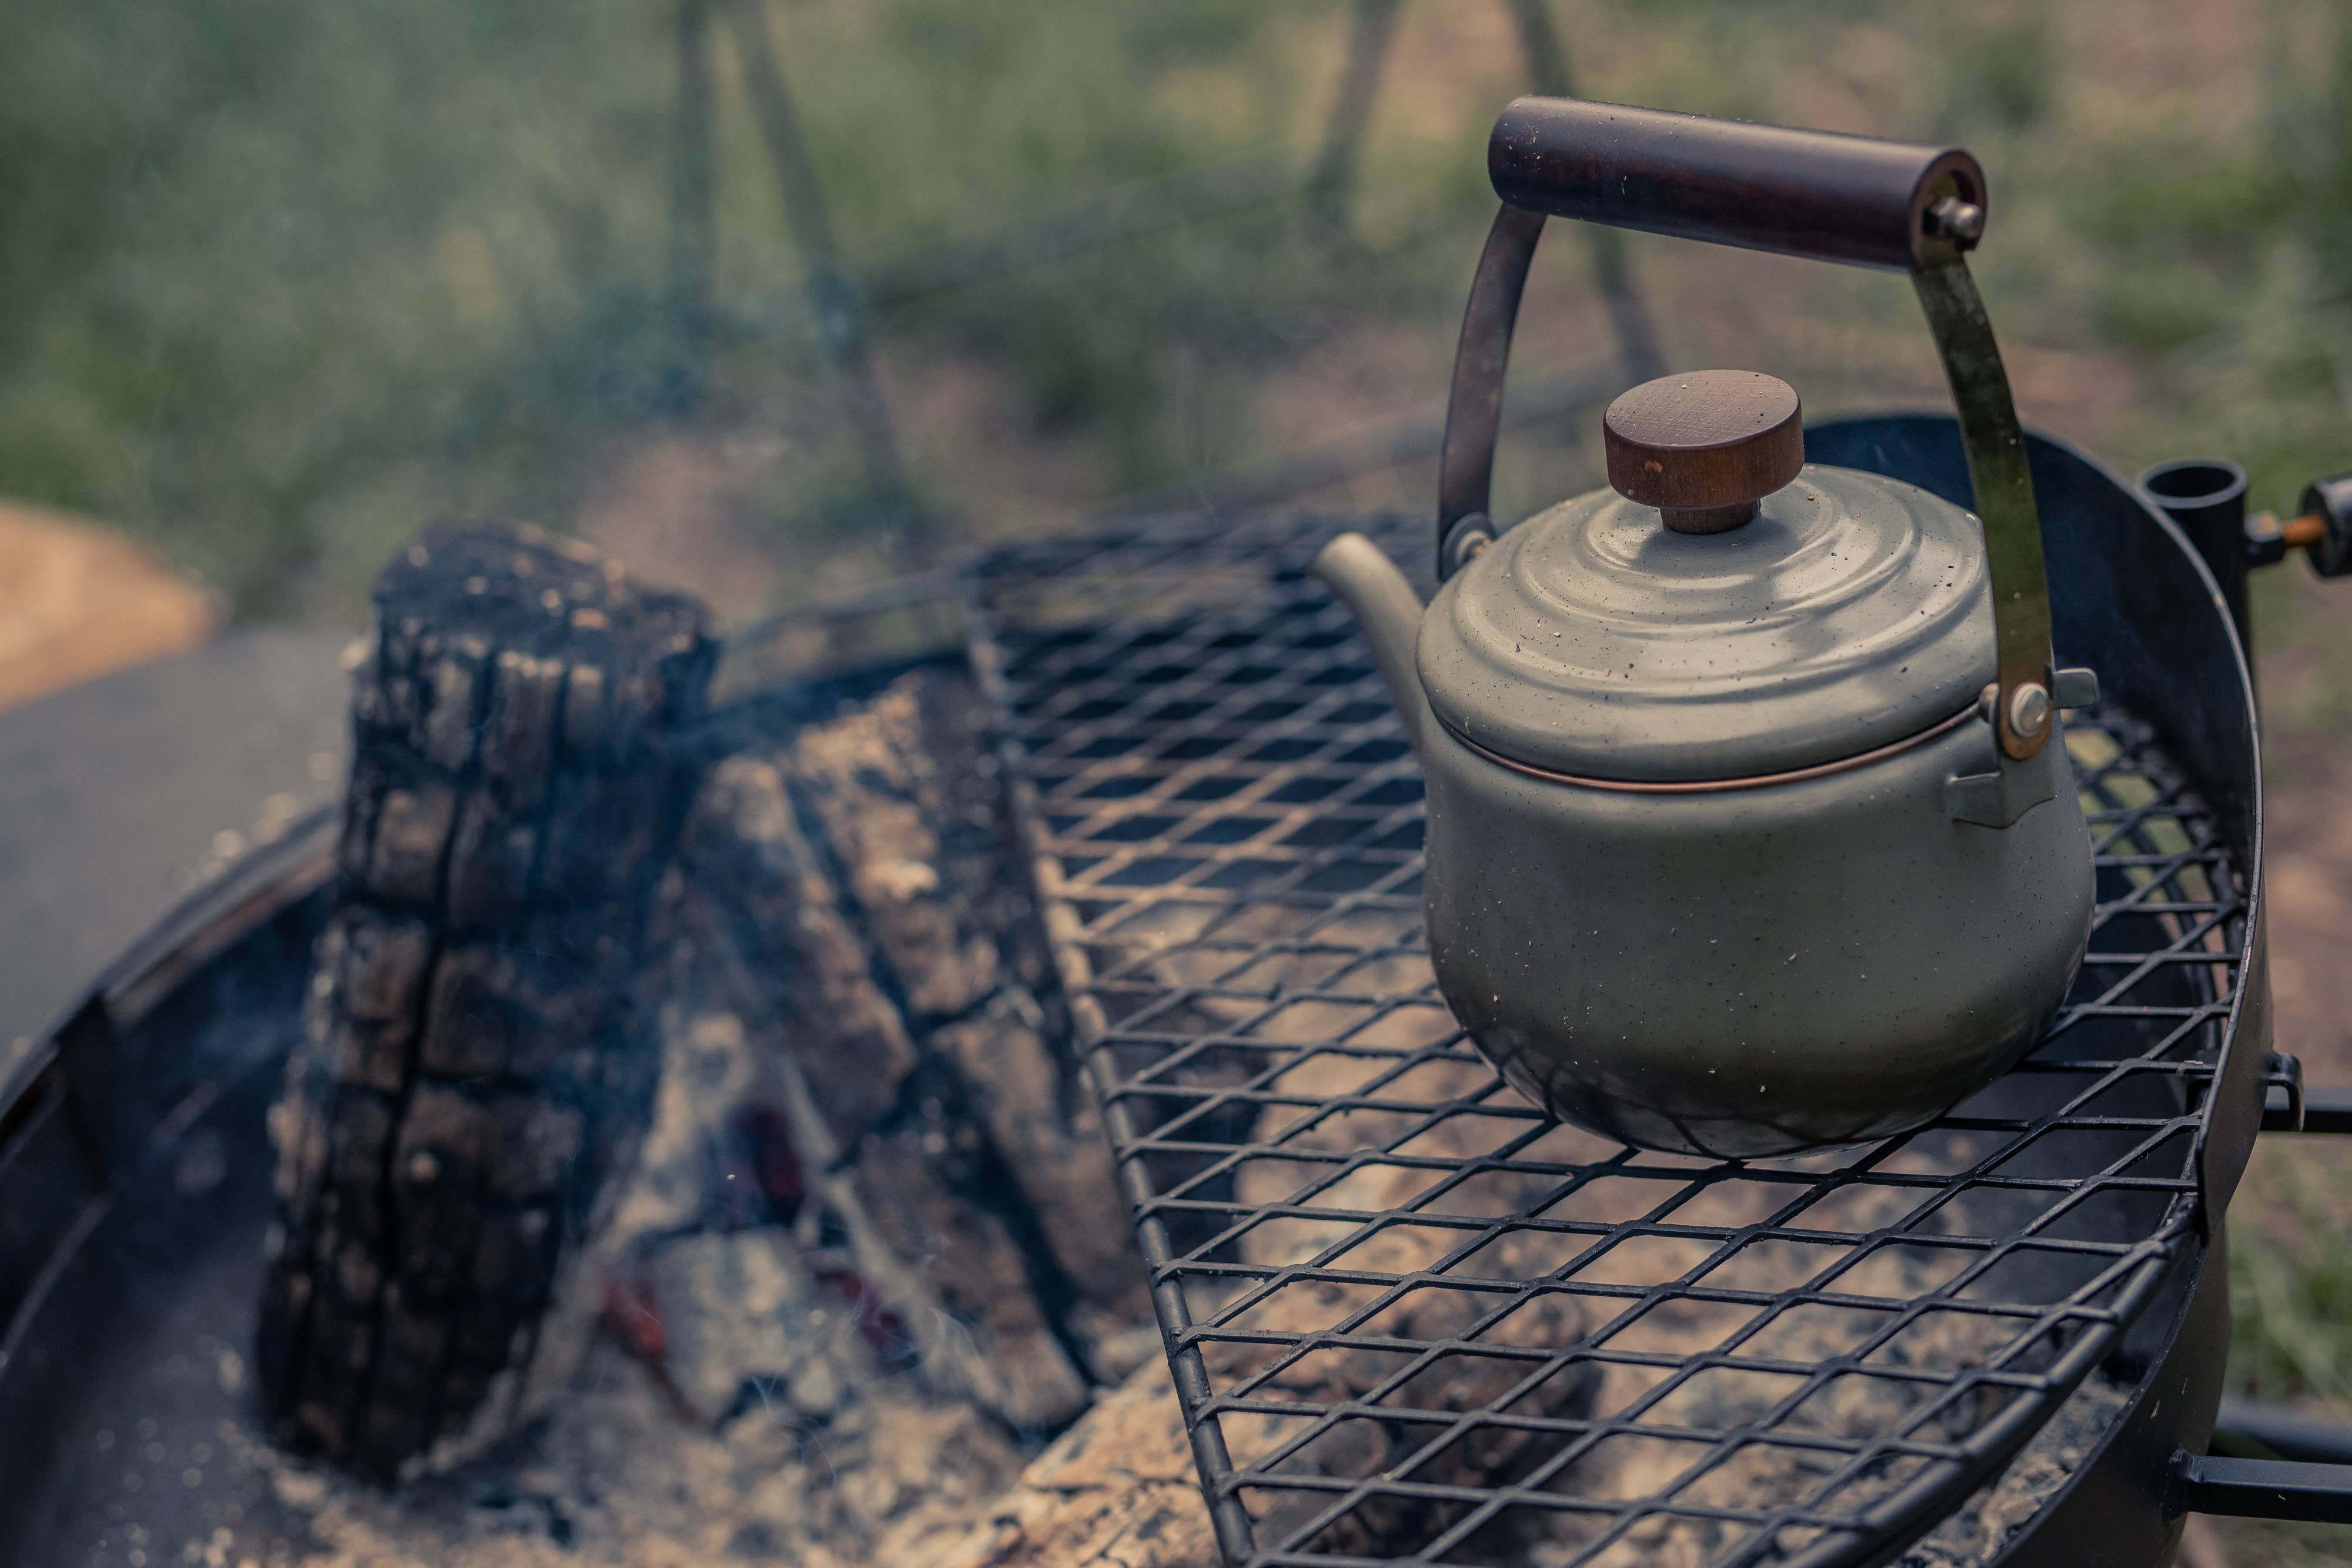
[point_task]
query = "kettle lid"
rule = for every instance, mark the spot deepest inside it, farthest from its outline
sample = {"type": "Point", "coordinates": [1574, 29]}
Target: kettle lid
{"type": "Point", "coordinates": [1728, 611]}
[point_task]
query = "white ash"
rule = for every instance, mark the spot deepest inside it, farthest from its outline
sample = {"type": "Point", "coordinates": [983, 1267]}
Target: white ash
{"type": "Point", "coordinates": [614, 1477]}
{"type": "Point", "coordinates": [1116, 1490]}
{"type": "Point", "coordinates": [1982, 1527]}
{"type": "Point", "coordinates": [1856, 1406]}
{"type": "Point", "coordinates": [1758, 1477]}
{"type": "Point", "coordinates": [709, 1077]}
{"type": "Point", "coordinates": [744, 1323]}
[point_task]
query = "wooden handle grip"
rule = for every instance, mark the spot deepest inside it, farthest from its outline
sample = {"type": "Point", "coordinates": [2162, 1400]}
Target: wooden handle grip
{"type": "Point", "coordinates": [1813, 193]}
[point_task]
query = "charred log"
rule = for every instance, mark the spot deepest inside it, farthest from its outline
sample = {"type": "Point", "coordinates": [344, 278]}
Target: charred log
{"type": "Point", "coordinates": [472, 1073]}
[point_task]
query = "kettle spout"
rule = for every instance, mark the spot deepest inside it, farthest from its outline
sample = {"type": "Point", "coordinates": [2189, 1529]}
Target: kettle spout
{"type": "Point", "coordinates": [1389, 612]}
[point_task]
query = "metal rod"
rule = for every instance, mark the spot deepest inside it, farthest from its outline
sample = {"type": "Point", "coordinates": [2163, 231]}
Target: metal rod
{"type": "Point", "coordinates": [694, 223]}
{"type": "Point", "coordinates": [1333, 180]}
{"type": "Point", "coordinates": [840, 310]}
{"type": "Point", "coordinates": [2274, 1431]}
{"type": "Point", "coordinates": [1638, 348]}
{"type": "Point", "coordinates": [2303, 532]}
{"type": "Point", "coordinates": [2325, 1110]}
{"type": "Point", "coordinates": [2263, 1488]}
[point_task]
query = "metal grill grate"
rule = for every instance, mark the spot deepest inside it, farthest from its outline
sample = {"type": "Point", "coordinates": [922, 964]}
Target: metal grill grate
{"type": "Point", "coordinates": [1411, 1318]}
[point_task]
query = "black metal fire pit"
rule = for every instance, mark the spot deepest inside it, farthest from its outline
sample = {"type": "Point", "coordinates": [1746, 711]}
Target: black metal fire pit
{"type": "Point", "coordinates": [1408, 1318]}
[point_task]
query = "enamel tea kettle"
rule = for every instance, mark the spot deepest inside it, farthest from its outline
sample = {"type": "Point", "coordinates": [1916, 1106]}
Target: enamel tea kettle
{"type": "Point", "coordinates": [1750, 827]}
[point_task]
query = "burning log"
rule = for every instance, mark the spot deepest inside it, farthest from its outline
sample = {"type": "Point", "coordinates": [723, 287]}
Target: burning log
{"type": "Point", "coordinates": [865, 883]}
{"type": "Point", "coordinates": [472, 1073]}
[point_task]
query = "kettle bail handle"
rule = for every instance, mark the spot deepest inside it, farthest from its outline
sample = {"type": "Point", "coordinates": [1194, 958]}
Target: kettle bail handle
{"type": "Point", "coordinates": [1853, 200]}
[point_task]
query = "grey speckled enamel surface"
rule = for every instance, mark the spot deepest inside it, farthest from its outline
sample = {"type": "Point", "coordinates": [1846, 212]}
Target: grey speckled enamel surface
{"type": "Point", "coordinates": [1853, 612]}
{"type": "Point", "coordinates": [1749, 972]}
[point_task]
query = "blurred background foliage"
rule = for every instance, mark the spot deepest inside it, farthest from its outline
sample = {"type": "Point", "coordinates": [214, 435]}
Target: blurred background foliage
{"type": "Point", "coordinates": [285, 277]}
{"type": "Point", "coordinates": [280, 280]}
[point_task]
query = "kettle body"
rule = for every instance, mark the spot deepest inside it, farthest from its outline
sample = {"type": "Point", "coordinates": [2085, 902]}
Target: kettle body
{"type": "Point", "coordinates": [1749, 972]}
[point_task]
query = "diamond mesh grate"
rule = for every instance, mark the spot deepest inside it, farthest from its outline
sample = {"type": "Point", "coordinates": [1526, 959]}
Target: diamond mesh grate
{"type": "Point", "coordinates": [1408, 1316]}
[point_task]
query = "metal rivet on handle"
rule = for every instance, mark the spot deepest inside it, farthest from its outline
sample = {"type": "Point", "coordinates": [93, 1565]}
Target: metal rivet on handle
{"type": "Point", "coordinates": [1956, 220]}
{"type": "Point", "coordinates": [2028, 709]}
{"type": "Point", "coordinates": [1470, 536]}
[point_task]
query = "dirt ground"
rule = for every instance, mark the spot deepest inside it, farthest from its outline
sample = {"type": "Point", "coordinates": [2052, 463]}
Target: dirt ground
{"type": "Point", "coordinates": [78, 601]}
{"type": "Point", "coordinates": [2310, 862]}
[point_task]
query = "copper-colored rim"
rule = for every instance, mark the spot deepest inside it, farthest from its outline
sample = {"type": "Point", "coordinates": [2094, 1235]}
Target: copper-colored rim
{"type": "Point", "coordinates": [1707, 786]}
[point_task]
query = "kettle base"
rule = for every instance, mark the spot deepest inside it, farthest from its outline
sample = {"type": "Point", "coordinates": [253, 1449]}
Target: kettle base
{"type": "Point", "coordinates": [1723, 1132]}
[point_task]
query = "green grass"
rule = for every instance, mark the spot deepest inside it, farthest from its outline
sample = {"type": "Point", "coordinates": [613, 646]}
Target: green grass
{"type": "Point", "coordinates": [284, 276]}
{"type": "Point", "coordinates": [2295, 1298]}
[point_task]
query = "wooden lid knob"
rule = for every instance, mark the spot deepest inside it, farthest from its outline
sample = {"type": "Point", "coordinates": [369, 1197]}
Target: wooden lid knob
{"type": "Point", "coordinates": [1705, 447]}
